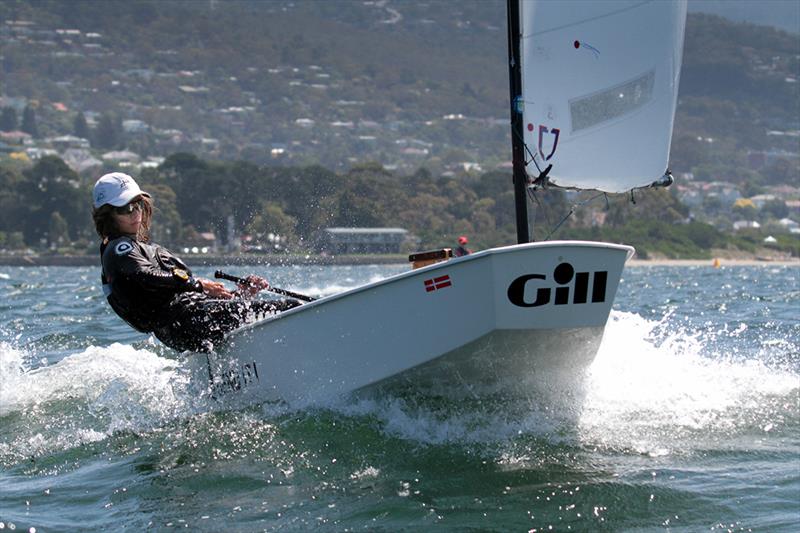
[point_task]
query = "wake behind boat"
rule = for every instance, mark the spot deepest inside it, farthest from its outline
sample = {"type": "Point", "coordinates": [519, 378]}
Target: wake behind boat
{"type": "Point", "coordinates": [593, 89]}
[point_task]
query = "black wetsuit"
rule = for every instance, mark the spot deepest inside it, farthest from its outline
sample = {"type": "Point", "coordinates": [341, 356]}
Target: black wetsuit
{"type": "Point", "coordinates": [154, 291]}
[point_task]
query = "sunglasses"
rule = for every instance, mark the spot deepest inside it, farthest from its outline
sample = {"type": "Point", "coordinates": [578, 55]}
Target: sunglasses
{"type": "Point", "coordinates": [127, 209]}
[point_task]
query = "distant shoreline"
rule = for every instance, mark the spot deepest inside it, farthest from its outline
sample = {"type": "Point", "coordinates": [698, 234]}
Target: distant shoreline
{"type": "Point", "coordinates": [213, 260]}
{"type": "Point", "coordinates": [710, 262]}
{"type": "Point", "coordinates": [279, 260]}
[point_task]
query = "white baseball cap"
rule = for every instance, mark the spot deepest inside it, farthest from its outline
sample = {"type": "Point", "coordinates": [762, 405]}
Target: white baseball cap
{"type": "Point", "coordinates": [117, 189]}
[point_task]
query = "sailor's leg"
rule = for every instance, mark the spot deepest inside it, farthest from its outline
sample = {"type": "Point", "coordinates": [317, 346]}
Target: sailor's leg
{"type": "Point", "coordinates": [200, 324]}
{"type": "Point", "coordinates": [265, 308]}
{"type": "Point", "coordinates": [197, 323]}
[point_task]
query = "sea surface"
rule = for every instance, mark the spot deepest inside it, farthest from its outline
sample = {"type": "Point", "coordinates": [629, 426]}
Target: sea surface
{"type": "Point", "coordinates": [690, 422]}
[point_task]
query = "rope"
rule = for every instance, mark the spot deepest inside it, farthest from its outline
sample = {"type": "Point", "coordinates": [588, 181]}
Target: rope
{"type": "Point", "coordinates": [528, 150]}
{"type": "Point", "coordinates": [571, 211]}
{"type": "Point", "coordinates": [532, 194]}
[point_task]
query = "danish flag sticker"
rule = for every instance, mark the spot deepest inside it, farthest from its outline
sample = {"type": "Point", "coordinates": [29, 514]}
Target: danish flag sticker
{"type": "Point", "coordinates": [437, 283]}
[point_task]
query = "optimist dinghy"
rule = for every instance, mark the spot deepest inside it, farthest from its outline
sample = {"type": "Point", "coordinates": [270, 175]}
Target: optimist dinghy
{"type": "Point", "coordinates": [593, 89]}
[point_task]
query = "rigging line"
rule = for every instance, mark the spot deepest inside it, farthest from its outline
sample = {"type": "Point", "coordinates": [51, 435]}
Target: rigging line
{"type": "Point", "coordinates": [572, 210]}
{"type": "Point", "coordinates": [532, 194]}
{"type": "Point", "coordinates": [591, 19]}
{"type": "Point", "coordinates": [525, 146]}
{"type": "Point", "coordinates": [533, 158]}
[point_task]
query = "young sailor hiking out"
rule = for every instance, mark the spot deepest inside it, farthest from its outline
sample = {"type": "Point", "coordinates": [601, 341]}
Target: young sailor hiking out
{"type": "Point", "coordinates": [152, 289]}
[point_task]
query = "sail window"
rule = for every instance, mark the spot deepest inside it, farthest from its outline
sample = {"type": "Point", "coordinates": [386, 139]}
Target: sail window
{"type": "Point", "coordinates": [588, 111]}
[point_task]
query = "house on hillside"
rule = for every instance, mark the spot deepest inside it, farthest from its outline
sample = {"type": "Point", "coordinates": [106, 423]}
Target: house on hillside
{"type": "Point", "coordinates": [191, 89]}
{"type": "Point", "coordinates": [81, 160]}
{"type": "Point", "coordinates": [135, 126]}
{"type": "Point", "coordinates": [123, 158]}
{"type": "Point", "coordinates": [789, 225]}
{"type": "Point", "coordinates": [36, 153]}
{"type": "Point", "coordinates": [64, 142]}
{"type": "Point", "coordinates": [16, 137]}
{"type": "Point", "coordinates": [760, 200]}
{"type": "Point", "coordinates": [745, 224]}
{"type": "Point", "coordinates": [278, 150]}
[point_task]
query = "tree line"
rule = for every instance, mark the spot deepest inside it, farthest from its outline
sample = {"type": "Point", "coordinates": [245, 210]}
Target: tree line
{"type": "Point", "coordinates": [48, 206]}
{"type": "Point", "coordinates": [10, 122]}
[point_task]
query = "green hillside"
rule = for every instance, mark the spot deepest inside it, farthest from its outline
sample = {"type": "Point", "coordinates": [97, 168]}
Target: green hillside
{"type": "Point", "coordinates": [376, 79]}
{"type": "Point", "coordinates": [297, 115]}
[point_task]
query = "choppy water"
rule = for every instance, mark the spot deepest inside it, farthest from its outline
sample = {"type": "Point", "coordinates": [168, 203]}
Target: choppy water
{"type": "Point", "coordinates": [691, 422]}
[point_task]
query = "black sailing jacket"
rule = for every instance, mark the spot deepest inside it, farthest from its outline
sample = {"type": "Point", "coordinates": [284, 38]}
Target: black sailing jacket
{"type": "Point", "coordinates": [140, 280]}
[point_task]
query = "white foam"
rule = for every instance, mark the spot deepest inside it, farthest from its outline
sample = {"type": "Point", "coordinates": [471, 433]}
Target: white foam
{"type": "Point", "coordinates": [89, 395]}
{"type": "Point", "coordinates": [365, 473]}
{"type": "Point", "coordinates": [650, 387]}
{"type": "Point", "coordinates": [98, 375]}
{"type": "Point", "coordinates": [13, 363]}
{"type": "Point", "coordinates": [450, 422]}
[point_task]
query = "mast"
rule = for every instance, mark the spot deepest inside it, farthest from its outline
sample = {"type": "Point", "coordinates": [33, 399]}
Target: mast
{"type": "Point", "coordinates": [520, 177]}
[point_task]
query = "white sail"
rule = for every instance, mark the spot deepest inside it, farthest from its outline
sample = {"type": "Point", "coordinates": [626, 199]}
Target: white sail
{"type": "Point", "coordinates": [600, 84]}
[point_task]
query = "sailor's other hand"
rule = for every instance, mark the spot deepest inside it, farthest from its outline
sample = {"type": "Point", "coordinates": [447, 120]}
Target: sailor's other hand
{"type": "Point", "coordinates": [215, 289]}
{"type": "Point", "coordinates": [253, 285]}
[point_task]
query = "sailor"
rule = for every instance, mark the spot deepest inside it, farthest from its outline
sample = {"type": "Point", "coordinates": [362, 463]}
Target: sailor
{"type": "Point", "coordinates": [462, 249]}
{"type": "Point", "coordinates": [152, 289]}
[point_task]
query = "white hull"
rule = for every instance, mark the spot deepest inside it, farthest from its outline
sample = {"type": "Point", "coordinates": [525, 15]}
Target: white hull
{"type": "Point", "coordinates": [505, 317]}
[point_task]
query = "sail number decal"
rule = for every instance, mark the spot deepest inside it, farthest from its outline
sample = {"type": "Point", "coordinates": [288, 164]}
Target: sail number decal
{"type": "Point", "coordinates": [233, 379]}
{"type": "Point", "coordinates": [563, 274]}
{"type": "Point", "coordinates": [555, 132]}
